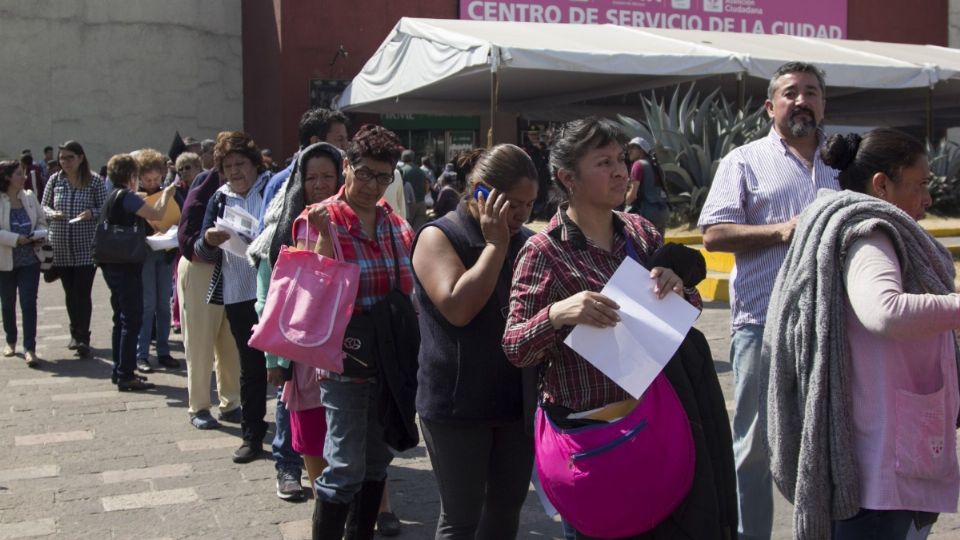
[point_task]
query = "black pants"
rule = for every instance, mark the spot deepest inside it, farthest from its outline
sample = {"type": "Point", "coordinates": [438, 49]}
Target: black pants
{"type": "Point", "coordinates": [483, 473]}
{"type": "Point", "coordinates": [77, 284]}
{"type": "Point", "coordinates": [126, 299]}
{"type": "Point", "coordinates": [253, 371]}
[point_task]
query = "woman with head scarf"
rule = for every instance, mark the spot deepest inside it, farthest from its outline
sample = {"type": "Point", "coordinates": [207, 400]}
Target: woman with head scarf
{"type": "Point", "coordinates": [314, 180]}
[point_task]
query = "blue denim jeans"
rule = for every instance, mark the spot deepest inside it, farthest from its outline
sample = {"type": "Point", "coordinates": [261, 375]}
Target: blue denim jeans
{"type": "Point", "coordinates": [880, 525]}
{"type": "Point", "coordinates": [354, 448]}
{"type": "Point", "coordinates": [26, 281]}
{"type": "Point", "coordinates": [126, 299]}
{"type": "Point", "coordinates": [285, 459]}
{"type": "Point", "coordinates": [157, 290]}
{"type": "Point", "coordinates": [754, 483]}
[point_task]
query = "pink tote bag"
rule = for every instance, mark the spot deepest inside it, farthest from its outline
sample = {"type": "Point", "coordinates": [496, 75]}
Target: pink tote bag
{"type": "Point", "coordinates": [308, 306]}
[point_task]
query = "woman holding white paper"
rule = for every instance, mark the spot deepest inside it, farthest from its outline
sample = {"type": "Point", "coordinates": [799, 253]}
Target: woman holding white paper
{"type": "Point", "coordinates": [556, 284]}
{"type": "Point", "coordinates": [20, 217]}
{"type": "Point", "coordinates": [234, 281]}
{"type": "Point", "coordinates": [156, 273]}
{"type": "Point", "coordinates": [560, 270]}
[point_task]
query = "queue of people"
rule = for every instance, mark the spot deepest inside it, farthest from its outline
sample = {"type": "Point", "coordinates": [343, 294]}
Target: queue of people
{"type": "Point", "coordinates": [844, 317]}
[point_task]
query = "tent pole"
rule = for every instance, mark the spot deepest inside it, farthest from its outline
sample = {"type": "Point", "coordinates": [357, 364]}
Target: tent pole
{"type": "Point", "coordinates": [494, 91]}
{"type": "Point", "coordinates": [494, 98]}
{"type": "Point", "coordinates": [930, 114]}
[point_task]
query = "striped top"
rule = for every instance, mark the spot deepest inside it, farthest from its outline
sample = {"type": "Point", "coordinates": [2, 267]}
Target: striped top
{"type": "Point", "coordinates": [761, 183]}
{"type": "Point", "coordinates": [238, 277]}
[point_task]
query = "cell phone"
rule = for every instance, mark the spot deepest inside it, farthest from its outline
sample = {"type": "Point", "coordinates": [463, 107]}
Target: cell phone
{"type": "Point", "coordinates": [481, 188]}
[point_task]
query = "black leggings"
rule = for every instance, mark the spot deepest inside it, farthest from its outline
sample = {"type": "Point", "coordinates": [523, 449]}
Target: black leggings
{"type": "Point", "coordinates": [77, 282]}
{"type": "Point", "coordinates": [483, 473]}
{"type": "Point", "coordinates": [253, 372]}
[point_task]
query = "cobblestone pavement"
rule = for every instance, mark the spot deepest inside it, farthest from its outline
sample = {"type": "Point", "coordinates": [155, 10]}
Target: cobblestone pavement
{"type": "Point", "coordinates": [84, 461]}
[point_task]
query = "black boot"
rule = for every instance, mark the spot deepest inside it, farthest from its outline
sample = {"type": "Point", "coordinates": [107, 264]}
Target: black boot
{"type": "Point", "coordinates": [364, 511]}
{"type": "Point", "coordinates": [329, 519]}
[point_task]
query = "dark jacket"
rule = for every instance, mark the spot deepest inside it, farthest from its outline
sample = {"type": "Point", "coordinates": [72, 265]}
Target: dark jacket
{"type": "Point", "coordinates": [709, 512]}
{"type": "Point", "coordinates": [194, 208]}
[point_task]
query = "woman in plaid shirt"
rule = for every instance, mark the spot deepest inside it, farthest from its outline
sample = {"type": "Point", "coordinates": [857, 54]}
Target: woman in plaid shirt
{"type": "Point", "coordinates": [560, 271]}
{"type": "Point", "coordinates": [71, 201]}
{"type": "Point", "coordinates": [378, 240]}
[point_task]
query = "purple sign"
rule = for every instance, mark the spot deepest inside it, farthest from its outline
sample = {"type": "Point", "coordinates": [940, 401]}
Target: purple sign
{"type": "Point", "coordinates": [809, 18]}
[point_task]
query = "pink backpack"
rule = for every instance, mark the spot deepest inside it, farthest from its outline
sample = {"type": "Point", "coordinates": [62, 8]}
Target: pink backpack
{"type": "Point", "coordinates": [622, 478]}
{"type": "Point", "coordinates": [308, 306]}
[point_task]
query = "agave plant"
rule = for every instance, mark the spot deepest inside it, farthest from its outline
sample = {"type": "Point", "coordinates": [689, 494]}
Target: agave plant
{"type": "Point", "coordinates": [945, 177]}
{"type": "Point", "coordinates": [691, 135]}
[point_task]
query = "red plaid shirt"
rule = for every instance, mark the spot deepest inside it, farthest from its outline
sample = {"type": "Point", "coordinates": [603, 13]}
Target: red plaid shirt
{"type": "Point", "coordinates": [375, 256]}
{"type": "Point", "coordinates": [554, 265]}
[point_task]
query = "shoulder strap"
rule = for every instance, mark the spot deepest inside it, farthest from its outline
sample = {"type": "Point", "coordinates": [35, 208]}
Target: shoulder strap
{"type": "Point", "coordinates": [109, 207]}
{"type": "Point", "coordinates": [396, 254]}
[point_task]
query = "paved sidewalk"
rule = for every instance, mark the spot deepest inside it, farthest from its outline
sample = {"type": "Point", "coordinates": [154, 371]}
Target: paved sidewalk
{"type": "Point", "coordinates": [84, 461]}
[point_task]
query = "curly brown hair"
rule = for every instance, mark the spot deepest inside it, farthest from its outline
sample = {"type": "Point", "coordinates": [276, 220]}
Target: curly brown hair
{"type": "Point", "coordinates": [374, 142]}
{"type": "Point", "coordinates": [237, 142]}
{"type": "Point", "coordinates": [121, 168]}
{"type": "Point", "coordinates": [149, 160]}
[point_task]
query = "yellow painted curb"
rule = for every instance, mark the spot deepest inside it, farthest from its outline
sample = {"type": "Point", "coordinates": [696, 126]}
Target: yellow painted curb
{"type": "Point", "coordinates": [718, 261]}
{"type": "Point", "coordinates": [715, 289]}
{"type": "Point", "coordinates": [685, 239]}
{"type": "Point", "coordinates": [942, 232]}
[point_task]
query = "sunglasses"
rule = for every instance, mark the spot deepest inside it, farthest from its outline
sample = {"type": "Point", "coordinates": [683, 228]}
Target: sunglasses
{"type": "Point", "coordinates": [185, 168]}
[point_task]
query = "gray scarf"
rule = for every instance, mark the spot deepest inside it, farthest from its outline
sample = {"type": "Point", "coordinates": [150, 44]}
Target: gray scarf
{"type": "Point", "coordinates": [807, 416]}
{"type": "Point", "coordinates": [287, 205]}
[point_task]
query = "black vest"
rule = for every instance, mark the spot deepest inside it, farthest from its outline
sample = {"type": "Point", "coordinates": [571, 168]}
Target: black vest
{"type": "Point", "coordinates": [464, 375]}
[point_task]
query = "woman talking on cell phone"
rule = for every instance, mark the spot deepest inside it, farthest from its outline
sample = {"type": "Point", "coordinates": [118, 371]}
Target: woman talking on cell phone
{"type": "Point", "coordinates": [469, 397]}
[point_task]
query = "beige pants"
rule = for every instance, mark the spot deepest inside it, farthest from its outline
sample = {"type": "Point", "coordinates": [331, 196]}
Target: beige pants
{"type": "Point", "coordinates": [206, 335]}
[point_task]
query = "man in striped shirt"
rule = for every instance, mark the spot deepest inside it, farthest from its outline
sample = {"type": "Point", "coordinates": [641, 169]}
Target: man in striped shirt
{"type": "Point", "coordinates": [757, 193]}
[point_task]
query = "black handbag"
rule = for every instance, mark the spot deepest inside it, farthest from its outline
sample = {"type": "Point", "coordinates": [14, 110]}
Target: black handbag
{"type": "Point", "coordinates": [118, 240]}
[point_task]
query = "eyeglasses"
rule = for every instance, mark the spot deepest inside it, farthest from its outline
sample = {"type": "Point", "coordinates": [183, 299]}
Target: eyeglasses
{"type": "Point", "coordinates": [185, 168]}
{"type": "Point", "coordinates": [365, 174]}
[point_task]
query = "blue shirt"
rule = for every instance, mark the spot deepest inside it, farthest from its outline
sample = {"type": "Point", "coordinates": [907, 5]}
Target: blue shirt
{"type": "Point", "coordinates": [761, 183]}
{"type": "Point", "coordinates": [20, 224]}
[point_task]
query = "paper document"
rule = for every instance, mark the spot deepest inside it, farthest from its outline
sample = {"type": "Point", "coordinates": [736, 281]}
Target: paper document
{"type": "Point", "coordinates": [77, 219]}
{"type": "Point", "coordinates": [650, 330]}
{"type": "Point", "coordinates": [241, 229]}
{"type": "Point", "coordinates": [164, 241]}
{"type": "Point", "coordinates": [39, 233]}
{"type": "Point", "coordinates": [171, 215]}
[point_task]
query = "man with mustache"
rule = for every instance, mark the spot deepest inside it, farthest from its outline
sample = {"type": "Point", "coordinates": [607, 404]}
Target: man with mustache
{"type": "Point", "coordinates": [751, 211]}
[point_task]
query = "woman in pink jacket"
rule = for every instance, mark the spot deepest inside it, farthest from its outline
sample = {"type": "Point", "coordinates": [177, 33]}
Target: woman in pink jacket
{"type": "Point", "coordinates": [863, 392]}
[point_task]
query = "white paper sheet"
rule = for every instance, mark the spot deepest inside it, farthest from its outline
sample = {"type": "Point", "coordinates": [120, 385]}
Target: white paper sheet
{"type": "Point", "coordinates": [239, 240]}
{"type": "Point", "coordinates": [650, 330]}
{"type": "Point", "coordinates": [167, 240]}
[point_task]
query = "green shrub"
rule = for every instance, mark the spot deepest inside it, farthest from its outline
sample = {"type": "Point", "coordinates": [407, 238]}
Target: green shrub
{"type": "Point", "coordinates": [945, 177]}
{"type": "Point", "coordinates": [691, 136]}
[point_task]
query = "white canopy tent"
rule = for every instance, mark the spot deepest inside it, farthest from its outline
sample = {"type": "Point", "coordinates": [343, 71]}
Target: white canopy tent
{"type": "Point", "coordinates": [445, 66]}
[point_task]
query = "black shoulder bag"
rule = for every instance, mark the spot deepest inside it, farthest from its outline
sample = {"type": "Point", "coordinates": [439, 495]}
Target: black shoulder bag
{"type": "Point", "coordinates": [116, 240]}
